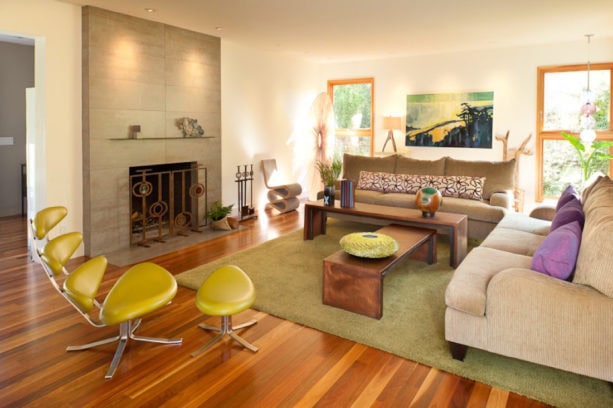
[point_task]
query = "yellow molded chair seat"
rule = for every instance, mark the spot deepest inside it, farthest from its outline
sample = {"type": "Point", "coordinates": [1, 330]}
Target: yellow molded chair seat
{"type": "Point", "coordinates": [141, 289]}
{"type": "Point", "coordinates": [226, 292]}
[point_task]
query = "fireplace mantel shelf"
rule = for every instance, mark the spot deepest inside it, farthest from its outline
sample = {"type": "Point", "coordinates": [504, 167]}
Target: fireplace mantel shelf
{"type": "Point", "coordinates": [163, 138]}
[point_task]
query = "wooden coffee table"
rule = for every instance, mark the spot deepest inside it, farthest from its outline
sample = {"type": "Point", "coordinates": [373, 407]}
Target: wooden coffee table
{"type": "Point", "coordinates": [356, 284]}
{"type": "Point", "coordinates": [455, 225]}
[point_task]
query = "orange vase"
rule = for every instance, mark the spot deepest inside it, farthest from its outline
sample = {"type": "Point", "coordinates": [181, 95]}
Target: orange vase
{"type": "Point", "coordinates": [428, 200]}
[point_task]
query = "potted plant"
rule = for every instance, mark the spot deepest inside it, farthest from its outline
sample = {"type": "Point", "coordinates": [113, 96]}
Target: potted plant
{"type": "Point", "coordinates": [589, 157]}
{"type": "Point", "coordinates": [329, 172]}
{"type": "Point", "coordinates": [218, 214]}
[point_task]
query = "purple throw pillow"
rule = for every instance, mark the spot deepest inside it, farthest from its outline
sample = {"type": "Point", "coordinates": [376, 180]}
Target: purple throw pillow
{"type": "Point", "coordinates": [557, 254]}
{"type": "Point", "coordinates": [569, 194]}
{"type": "Point", "coordinates": [571, 211]}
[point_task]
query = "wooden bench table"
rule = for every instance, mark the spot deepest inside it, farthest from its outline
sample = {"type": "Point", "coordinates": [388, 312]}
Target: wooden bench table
{"type": "Point", "coordinates": [356, 284]}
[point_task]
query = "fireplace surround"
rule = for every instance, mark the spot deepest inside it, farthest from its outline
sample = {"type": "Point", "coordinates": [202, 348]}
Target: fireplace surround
{"type": "Point", "coordinates": [147, 74]}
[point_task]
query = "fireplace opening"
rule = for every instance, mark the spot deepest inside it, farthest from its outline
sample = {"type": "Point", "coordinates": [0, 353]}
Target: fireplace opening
{"type": "Point", "coordinates": [166, 199]}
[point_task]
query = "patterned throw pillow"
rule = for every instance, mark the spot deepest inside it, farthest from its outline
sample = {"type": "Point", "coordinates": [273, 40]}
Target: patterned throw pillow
{"type": "Point", "coordinates": [372, 181]}
{"type": "Point", "coordinates": [408, 183]}
{"type": "Point", "coordinates": [467, 187]}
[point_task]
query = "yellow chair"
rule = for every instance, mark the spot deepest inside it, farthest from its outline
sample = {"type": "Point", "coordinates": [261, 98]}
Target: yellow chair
{"type": "Point", "coordinates": [140, 290]}
{"type": "Point", "coordinates": [226, 292]}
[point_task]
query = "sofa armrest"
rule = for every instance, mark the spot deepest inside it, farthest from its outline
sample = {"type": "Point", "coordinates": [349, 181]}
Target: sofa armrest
{"type": "Point", "coordinates": [504, 200]}
{"type": "Point", "coordinates": [566, 325]}
{"type": "Point", "coordinates": [543, 212]}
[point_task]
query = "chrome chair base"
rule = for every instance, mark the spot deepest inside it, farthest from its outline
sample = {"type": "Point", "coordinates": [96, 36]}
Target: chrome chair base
{"type": "Point", "coordinates": [126, 331]}
{"type": "Point", "coordinates": [226, 328]}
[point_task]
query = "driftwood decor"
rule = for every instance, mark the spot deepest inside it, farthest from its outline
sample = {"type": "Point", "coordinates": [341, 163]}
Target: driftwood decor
{"type": "Point", "coordinates": [507, 154]}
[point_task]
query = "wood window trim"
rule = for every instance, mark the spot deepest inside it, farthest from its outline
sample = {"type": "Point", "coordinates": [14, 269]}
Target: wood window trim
{"type": "Point", "coordinates": [542, 135]}
{"type": "Point", "coordinates": [359, 132]}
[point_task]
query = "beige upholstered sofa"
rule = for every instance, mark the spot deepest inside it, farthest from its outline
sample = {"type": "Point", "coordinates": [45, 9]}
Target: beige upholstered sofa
{"type": "Point", "coordinates": [483, 215]}
{"type": "Point", "coordinates": [495, 302]}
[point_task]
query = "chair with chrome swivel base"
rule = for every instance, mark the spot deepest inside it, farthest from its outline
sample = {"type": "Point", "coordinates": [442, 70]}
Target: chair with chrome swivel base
{"type": "Point", "coordinates": [140, 290]}
{"type": "Point", "coordinates": [226, 292]}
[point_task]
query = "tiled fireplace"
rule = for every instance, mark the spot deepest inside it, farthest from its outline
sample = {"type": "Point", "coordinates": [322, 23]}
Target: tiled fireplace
{"type": "Point", "coordinates": [139, 72]}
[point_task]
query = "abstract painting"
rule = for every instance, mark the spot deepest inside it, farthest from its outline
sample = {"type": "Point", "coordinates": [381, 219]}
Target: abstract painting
{"type": "Point", "coordinates": [450, 120]}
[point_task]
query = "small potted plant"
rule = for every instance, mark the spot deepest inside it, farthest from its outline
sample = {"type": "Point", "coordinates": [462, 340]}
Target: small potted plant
{"type": "Point", "coordinates": [329, 172]}
{"type": "Point", "coordinates": [218, 214]}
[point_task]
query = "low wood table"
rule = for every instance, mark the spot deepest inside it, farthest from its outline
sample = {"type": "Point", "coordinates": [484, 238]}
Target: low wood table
{"type": "Point", "coordinates": [356, 284]}
{"type": "Point", "coordinates": [456, 225]}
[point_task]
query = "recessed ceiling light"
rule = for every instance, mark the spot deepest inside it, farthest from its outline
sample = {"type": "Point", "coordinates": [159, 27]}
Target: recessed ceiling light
{"type": "Point", "coordinates": [150, 10]}
{"type": "Point", "coordinates": [218, 28]}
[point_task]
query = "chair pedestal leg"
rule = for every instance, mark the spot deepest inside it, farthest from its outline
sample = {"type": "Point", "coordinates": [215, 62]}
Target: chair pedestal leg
{"type": "Point", "coordinates": [226, 328]}
{"type": "Point", "coordinates": [126, 331]}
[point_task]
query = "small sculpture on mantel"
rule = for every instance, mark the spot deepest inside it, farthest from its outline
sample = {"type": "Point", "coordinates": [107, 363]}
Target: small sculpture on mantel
{"type": "Point", "coordinates": [190, 127]}
{"type": "Point", "coordinates": [507, 154]}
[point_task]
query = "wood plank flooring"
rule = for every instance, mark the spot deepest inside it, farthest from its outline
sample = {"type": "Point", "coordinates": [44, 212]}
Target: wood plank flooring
{"type": "Point", "coordinates": [296, 365]}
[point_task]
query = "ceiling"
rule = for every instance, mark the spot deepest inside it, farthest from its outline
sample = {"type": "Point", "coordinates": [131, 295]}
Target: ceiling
{"type": "Point", "coordinates": [344, 30]}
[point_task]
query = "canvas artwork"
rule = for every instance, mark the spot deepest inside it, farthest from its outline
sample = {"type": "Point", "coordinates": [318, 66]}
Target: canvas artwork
{"type": "Point", "coordinates": [450, 120]}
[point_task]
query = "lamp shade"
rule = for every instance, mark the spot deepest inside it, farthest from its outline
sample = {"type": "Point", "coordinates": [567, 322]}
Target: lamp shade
{"type": "Point", "coordinates": [391, 122]}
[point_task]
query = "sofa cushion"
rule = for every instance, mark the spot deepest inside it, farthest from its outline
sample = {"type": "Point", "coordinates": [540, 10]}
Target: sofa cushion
{"type": "Point", "coordinates": [569, 212]}
{"type": "Point", "coordinates": [569, 194]}
{"type": "Point", "coordinates": [522, 222]}
{"type": "Point", "coordinates": [557, 254]}
{"type": "Point", "coordinates": [467, 290]}
{"type": "Point", "coordinates": [513, 240]}
{"type": "Point", "coordinates": [499, 175]}
{"type": "Point", "coordinates": [474, 210]}
{"type": "Point", "coordinates": [407, 165]}
{"type": "Point", "coordinates": [352, 165]}
{"type": "Point", "coordinates": [595, 263]}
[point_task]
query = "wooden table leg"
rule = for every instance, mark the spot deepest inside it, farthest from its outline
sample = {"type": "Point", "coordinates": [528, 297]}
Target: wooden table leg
{"type": "Point", "coordinates": [314, 222]}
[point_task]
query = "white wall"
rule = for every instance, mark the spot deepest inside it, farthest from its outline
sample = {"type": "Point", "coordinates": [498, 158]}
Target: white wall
{"type": "Point", "coordinates": [56, 28]}
{"type": "Point", "coordinates": [264, 100]}
{"type": "Point", "coordinates": [510, 73]}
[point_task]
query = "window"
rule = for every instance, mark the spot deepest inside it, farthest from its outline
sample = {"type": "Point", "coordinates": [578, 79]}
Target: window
{"type": "Point", "coordinates": [353, 112]}
{"type": "Point", "coordinates": [560, 95]}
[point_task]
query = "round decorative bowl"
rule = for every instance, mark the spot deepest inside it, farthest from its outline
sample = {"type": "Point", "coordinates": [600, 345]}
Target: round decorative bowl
{"type": "Point", "coordinates": [369, 245]}
{"type": "Point", "coordinates": [428, 200]}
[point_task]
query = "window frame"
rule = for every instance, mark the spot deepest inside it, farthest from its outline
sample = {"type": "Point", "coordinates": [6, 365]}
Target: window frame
{"type": "Point", "coordinates": [542, 135]}
{"type": "Point", "coordinates": [357, 132]}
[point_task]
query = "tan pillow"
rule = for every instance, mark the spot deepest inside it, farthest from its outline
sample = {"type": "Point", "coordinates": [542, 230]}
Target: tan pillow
{"type": "Point", "coordinates": [407, 165]}
{"type": "Point", "coordinates": [467, 187]}
{"type": "Point", "coordinates": [407, 183]}
{"type": "Point", "coordinates": [595, 263]}
{"type": "Point", "coordinates": [372, 181]}
{"type": "Point", "coordinates": [353, 165]}
{"type": "Point", "coordinates": [500, 175]}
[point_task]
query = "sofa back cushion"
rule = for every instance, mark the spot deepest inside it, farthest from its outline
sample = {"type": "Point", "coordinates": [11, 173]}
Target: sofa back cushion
{"type": "Point", "coordinates": [595, 263]}
{"type": "Point", "coordinates": [407, 165]}
{"type": "Point", "coordinates": [499, 176]}
{"type": "Point", "coordinates": [353, 165]}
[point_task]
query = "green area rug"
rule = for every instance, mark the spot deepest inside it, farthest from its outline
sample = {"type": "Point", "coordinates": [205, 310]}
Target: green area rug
{"type": "Point", "coordinates": [287, 274]}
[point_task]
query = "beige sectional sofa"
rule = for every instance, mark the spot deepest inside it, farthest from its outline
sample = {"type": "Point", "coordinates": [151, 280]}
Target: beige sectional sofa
{"type": "Point", "coordinates": [495, 302]}
{"type": "Point", "coordinates": [483, 215]}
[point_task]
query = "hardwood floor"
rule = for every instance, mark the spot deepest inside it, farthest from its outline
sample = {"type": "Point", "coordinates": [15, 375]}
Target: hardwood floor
{"type": "Point", "coordinates": [296, 365]}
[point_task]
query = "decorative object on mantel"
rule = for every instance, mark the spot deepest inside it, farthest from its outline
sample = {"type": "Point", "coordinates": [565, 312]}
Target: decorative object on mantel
{"type": "Point", "coordinates": [507, 154]}
{"type": "Point", "coordinates": [428, 200]}
{"type": "Point", "coordinates": [190, 127]}
{"type": "Point", "coordinates": [329, 172]}
{"type": "Point", "coordinates": [218, 214]}
{"type": "Point", "coordinates": [244, 182]}
{"type": "Point", "coordinates": [134, 130]}
{"type": "Point", "coordinates": [391, 123]}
